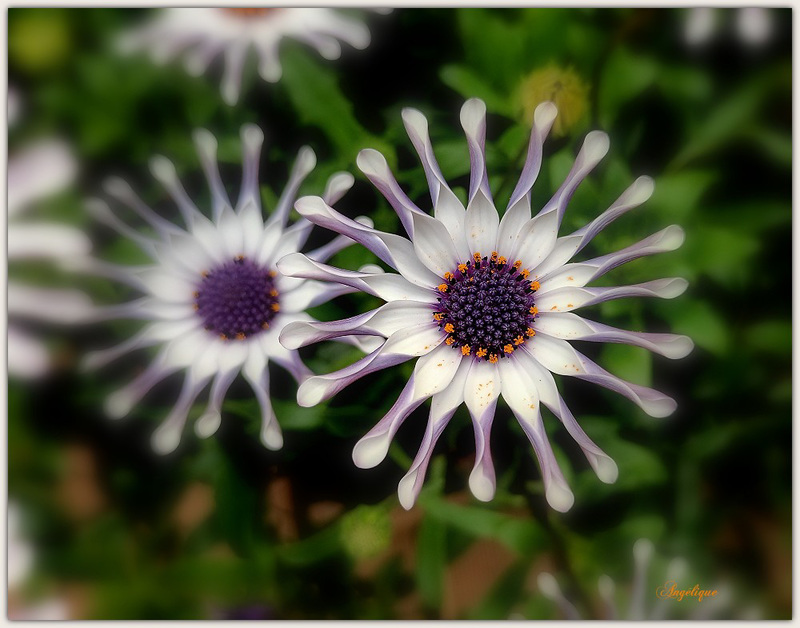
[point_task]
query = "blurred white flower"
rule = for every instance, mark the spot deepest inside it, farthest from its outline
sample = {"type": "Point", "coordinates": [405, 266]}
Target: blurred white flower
{"type": "Point", "coordinates": [214, 300]}
{"type": "Point", "coordinates": [201, 34]}
{"type": "Point", "coordinates": [642, 589]}
{"type": "Point", "coordinates": [486, 305]}
{"type": "Point", "coordinates": [753, 25]}
{"type": "Point", "coordinates": [21, 558]}
{"type": "Point", "coordinates": [35, 173]}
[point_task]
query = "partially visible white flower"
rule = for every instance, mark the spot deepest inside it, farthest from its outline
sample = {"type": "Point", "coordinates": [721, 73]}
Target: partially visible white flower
{"type": "Point", "coordinates": [753, 25]}
{"type": "Point", "coordinates": [201, 34]}
{"type": "Point", "coordinates": [642, 590]}
{"type": "Point", "coordinates": [14, 106]}
{"type": "Point", "coordinates": [36, 173]}
{"type": "Point", "coordinates": [212, 295]}
{"type": "Point", "coordinates": [21, 558]}
{"type": "Point", "coordinates": [20, 551]}
{"type": "Point", "coordinates": [485, 304]}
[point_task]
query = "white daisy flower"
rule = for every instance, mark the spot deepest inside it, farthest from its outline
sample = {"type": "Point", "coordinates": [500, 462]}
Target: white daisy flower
{"type": "Point", "coordinates": [201, 34]}
{"type": "Point", "coordinates": [213, 297]}
{"type": "Point", "coordinates": [705, 602]}
{"type": "Point", "coordinates": [35, 173]}
{"type": "Point", "coordinates": [486, 304]}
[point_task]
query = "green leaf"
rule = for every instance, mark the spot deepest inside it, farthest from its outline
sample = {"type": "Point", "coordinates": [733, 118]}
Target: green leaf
{"type": "Point", "coordinates": [315, 94]}
{"type": "Point", "coordinates": [771, 337]}
{"type": "Point", "coordinates": [625, 76]}
{"type": "Point", "coordinates": [724, 123]}
{"type": "Point", "coordinates": [699, 321]}
{"type": "Point", "coordinates": [724, 253]}
{"type": "Point", "coordinates": [493, 45]}
{"type": "Point", "coordinates": [294, 417]}
{"type": "Point", "coordinates": [312, 549]}
{"type": "Point", "coordinates": [521, 535]}
{"type": "Point", "coordinates": [471, 85]}
{"type": "Point", "coordinates": [236, 505]}
{"type": "Point", "coordinates": [632, 363]}
{"type": "Point", "coordinates": [431, 560]}
{"type": "Point", "coordinates": [677, 194]}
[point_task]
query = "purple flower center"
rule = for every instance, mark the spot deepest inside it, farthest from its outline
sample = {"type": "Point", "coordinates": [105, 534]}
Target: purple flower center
{"type": "Point", "coordinates": [237, 299]}
{"type": "Point", "coordinates": [486, 307]}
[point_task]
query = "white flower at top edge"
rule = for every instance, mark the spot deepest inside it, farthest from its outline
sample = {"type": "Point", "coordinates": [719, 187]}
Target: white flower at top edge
{"type": "Point", "coordinates": [36, 172]}
{"type": "Point", "coordinates": [201, 34]}
{"type": "Point", "coordinates": [754, 26]}
{"type": "Point", "coordinates": [487, 305]}
{"type": "Point", "coordinates": [213, 297]}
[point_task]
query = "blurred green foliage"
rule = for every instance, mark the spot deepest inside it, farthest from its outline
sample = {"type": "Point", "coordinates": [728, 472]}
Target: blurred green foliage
{"type": "Point", "coordinates": [302, 533]}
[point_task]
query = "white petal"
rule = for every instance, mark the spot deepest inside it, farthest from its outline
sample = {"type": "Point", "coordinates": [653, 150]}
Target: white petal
{"type": "Point", "coordinates": [473, 121]}
{"type": "Point", "coordinates": [542, 380]}
{"type": "Point", "coordinates": [414, 341]}
{"type": "Point", "coordinates": [417, 128]}
{"type": "Point", "coordinates": [44, 240]}
{"type": "Point", "coordinates": [434, 371]}
{"type": "Point", "coordinates": [443, 405]}
{"type": "Point", "coordinates": [568, 298]}
{"type": "Point", "coordinates": [184, 350]}
{"type": "Point", "coordinates": [168, 287]}
{"type": "Point", "coordinates": [41, 170]}
{"type": "Point", "coordinates": [252, 138]}
{"type": "Point", "coordinates": [560, 357]}
{"type": "Point", "coordinates": [338, 184]}
{"type": "Point", "coordinates": [51, 305]}
{"type": "Point", "coordinates": [373, 447]}
{"type": "Point", "coordinates": [252, 225]}
{"type": "Point", "coordinates": [374, 166]}
{"type": "Point", "coordinates": [168, 435]}
{"type": "Point", "coordinates": [523, 399]}
{"type": "Point", "coordinates": [481, 391]}
{"type": "Point", "coordinates": [230, 231]}
{"type": "Point", "coordinates": [511, 226]}
{"type": "Point", "coordinates": [543, 118]}
{"type": "Point", "coordinates": [27, 357]}
{"type": "Point", "coordinates": [535, 241]}
{"type": "Point", "coordinates": [433, 245]}
{"type": "Point", "coordinates": [580, 274]}
{"type": "Point", "coordinates": [481, 224]}
{"type": "Point", "coordinates": [568, 326]}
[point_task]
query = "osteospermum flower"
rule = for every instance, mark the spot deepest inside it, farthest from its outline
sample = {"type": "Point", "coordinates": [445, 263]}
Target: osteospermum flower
{"type": "Point", "coordinates": [201, 34]}
{"type": "Point", "coordinates": [213, 296]}
{"type": "Point", "coordinates": [485, 304]}
{"type": "Point", "coordinates": [704, 602]}
{"type": "Point", "coordinates": [35, 173]}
